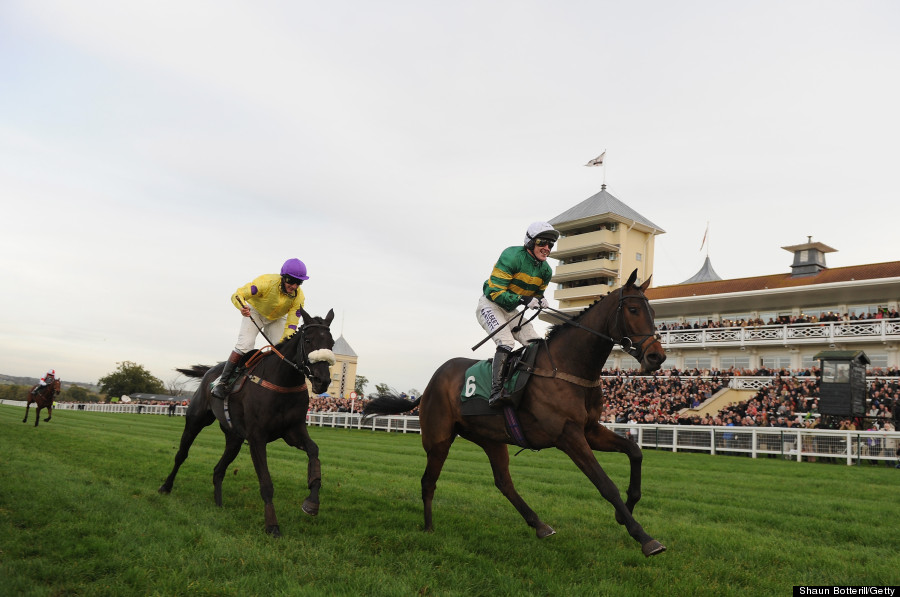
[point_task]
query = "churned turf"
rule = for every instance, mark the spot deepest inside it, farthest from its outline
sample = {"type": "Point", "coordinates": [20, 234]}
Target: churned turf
{"type": "Point", "coordinates": [80, 515]}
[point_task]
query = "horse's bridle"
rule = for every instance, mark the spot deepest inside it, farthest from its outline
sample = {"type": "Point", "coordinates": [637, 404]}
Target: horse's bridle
{"type": "Point", "coordinates": [308, 359]}
{"type": "Point", "coordinates": [636, 350]}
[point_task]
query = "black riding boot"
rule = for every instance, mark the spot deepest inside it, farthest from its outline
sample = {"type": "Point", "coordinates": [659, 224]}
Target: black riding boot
{"type": "Point", "coordinates": [498, 371]}
{"type": "Point", "coordinates": [221, 389]}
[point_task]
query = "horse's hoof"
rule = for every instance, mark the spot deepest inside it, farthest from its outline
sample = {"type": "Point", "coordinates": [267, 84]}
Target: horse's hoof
{"type": "Point", "coordinates": [652, 547]}
{"type": "Point", "coordinates": [164, 490]}
{"type": "Point", "coordinates": [311, 508]}
{"type": "Point", "coordinates": [545, 531]}
{"type": "Point", "coordinates": [274, 531]}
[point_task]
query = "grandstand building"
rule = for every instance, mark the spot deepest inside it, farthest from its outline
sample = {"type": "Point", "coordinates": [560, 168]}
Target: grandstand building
{"type": "Point", "coordinates": [777, 321]}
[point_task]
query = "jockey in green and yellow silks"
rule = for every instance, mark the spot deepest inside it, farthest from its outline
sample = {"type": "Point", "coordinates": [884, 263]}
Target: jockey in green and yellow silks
{"type": "Point", "coordinates": [519, 277]}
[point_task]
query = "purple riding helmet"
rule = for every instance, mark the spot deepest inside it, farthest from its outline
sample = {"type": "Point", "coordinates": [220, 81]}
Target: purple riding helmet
{"type": "Point", "coordinates": [294, 268]}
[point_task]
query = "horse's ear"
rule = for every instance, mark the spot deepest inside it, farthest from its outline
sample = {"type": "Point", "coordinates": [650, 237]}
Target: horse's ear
{"type": "Point", "coordinates": [329, 317]}
{"type": "Point", "coordinates": [646, 284]}
{"type": "Point", "coordinates": [306, 317]}
{"type": "Point", "coordinates": [632, 278]}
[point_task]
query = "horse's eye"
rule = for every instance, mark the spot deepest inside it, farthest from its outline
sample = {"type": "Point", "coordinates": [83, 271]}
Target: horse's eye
{"type": "Point", "coordinates": [632, 310]}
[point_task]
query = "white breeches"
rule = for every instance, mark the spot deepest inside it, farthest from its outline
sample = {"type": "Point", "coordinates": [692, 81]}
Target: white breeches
{"type": "Point", "coordinates": [273, 328]}
{"type": "Point", "coordinates": [491, 316]}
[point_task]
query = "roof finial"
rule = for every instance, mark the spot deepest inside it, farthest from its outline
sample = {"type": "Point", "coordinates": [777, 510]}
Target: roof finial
{"type": "Point", "coordinates": [603, 187]}
{"type": "Point", "coordinates": [809, 238]}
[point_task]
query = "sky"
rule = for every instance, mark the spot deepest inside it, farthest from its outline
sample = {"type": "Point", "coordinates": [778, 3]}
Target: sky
{"type": "Point", "coordinates": [157, 155]}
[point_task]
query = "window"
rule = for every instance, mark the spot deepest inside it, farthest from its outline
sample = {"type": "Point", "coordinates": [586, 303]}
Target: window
{"type": "Point", "coordinates": [780, 362]}
{"type": "Point", "coordinates": [808, 362]}
{"type": "Point", "coordinates": [736, 362]}
{"type": "Point", "coordinates": [697, 363]}
{"type": "Point", "coordinates": [637, 256]}
{"type": "Point", "coordinates": [878, 361]}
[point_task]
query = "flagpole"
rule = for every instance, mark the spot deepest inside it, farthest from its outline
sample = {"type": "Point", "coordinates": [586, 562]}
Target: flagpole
{"type": "Point", "coordinates": [604, 168]}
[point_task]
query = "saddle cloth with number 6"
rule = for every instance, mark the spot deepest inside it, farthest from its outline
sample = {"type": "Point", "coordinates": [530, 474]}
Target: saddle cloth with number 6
{"type": "Point", "coordinates": [477, 382]}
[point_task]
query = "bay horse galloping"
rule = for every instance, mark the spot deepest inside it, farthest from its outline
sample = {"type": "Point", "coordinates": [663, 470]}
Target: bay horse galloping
{"type": "Point", "coordinates": [269, 401]}
{"type": "Point", "coordinates": [42, 398]}
{"type": "Point", "coordinates": [560, 407]}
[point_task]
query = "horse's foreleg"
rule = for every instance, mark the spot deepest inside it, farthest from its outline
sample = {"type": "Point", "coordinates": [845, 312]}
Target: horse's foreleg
{"type": "Point", "coordinates": [233, 445]}
{"type": "Point", "coordinates": [498, 454]}
{"type": "Point", "coordinates": [27, 406]}
{"type": "Point", "coordinates": [572, 441]}
{"type": "Point", "coordinates": [300, 439]}
{"type": "Point", "coordinates": [266, 490]}
{"type": "Point", "coordinates": [603, 440]}
{"type": "Point", "coordinates": [49, 414]}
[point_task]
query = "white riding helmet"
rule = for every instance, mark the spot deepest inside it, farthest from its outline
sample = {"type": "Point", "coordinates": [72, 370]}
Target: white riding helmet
{"type": "Point", "coordinates": [540, 230]}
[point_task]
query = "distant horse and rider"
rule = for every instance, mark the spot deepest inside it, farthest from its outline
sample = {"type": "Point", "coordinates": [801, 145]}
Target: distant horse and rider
{"type": "Point", "coordinates": [560, 406]}
{"type": "Point", "coordinates": [42, 396]}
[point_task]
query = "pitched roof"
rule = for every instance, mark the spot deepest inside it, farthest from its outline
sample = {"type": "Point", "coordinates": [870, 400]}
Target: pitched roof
{"type": "Point", "coordinates": [706, 274]}
{"type": "Point", "coordinates": [600, 204]}
{"type": "Point", "coordinates": [342, 348]}
{"type": "Point", "coordinates": [854, 273]}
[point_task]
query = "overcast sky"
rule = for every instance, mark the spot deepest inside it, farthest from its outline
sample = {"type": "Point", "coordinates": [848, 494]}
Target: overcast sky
{"type": "Point", "coordinates": [156, 155]}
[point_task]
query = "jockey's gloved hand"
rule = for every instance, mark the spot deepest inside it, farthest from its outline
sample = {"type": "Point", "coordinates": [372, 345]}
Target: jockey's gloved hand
{"type": "Point", "coordinates": [533, 302]}
{"type": "Point", "coordinates": [544, 303]}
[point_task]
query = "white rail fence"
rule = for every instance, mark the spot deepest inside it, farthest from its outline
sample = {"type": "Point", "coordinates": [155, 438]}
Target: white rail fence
{"type": "Point", "coordinates": [851, 447]}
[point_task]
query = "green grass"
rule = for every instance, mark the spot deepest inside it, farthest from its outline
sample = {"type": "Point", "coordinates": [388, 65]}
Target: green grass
{"type": "Point", "coordinates": [80, 515]}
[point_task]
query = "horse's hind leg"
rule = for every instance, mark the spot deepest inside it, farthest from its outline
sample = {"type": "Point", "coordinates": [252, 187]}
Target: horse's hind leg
{"type": "Point", "coordinates": [573, 442]}
{"type": "Point", "coordinates": [437, 455]}
{"type": "Point", "coordinates": [233, 445]}
{"type": "Point", "coordinates": [27, 406]}
{"type": "Point", "coordinates": [498, 454]}
{"type": "Point", "coordinates": [193, 425]}
{"type": "Point", "coordinates": [266, 489]}
{"type": "Point", "coordinates": [37, 414]}
{"type": "Point", "coordinates": [300, 439]}
{"type": "Point", "coordinates": [602, 439]}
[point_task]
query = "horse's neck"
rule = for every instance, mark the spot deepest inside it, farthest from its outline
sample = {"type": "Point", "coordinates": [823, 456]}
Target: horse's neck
{"type": "Point", "coordinates": [272, 368]}
{"type": "Point", "coordinates": [581, 352]}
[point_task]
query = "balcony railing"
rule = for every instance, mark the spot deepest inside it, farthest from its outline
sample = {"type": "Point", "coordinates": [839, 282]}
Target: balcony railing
{"type": "Point", "coordinates": [832, 332]}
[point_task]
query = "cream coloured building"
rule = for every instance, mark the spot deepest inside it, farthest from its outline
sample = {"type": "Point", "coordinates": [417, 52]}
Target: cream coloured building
{"type": "Point", "coordinates": [343, 372]}
{"type": "Point", "coordinates": [778, 321]}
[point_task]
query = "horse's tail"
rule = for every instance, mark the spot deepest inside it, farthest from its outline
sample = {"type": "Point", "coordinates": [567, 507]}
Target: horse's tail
{"type": "Point", "coordinates": [195, 371]}
{"type": "Point", "coordinates": [389, 404]}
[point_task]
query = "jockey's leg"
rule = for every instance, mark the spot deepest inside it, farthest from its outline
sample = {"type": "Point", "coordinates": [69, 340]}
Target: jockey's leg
{"type": "Point", "coordinates": [221, 389]}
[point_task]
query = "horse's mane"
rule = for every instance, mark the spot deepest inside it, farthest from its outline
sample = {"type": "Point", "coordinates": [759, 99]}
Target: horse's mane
{"type": "Point", "coordinates": [555, 328]}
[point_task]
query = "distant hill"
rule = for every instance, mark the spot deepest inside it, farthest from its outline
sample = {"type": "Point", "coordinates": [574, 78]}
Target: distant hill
{"type": "Point", "coordinates": [30, 381]}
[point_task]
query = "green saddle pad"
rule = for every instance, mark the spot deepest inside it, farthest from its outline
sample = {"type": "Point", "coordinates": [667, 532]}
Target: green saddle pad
{"type": "Point", "coordinates": [477, 382]}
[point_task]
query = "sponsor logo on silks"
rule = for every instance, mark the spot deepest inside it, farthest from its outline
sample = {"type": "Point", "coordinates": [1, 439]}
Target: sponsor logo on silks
{"type": "Point", "coordinates": [490, 319]}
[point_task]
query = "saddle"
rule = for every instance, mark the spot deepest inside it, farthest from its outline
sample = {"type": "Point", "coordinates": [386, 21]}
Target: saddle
{"type": "Point", "coordinates": [477, 381]}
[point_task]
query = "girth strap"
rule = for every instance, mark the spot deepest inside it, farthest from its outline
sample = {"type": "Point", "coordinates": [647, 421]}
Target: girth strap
{"type": "Point", "coordinates": [578, 381]}
{"type": "Point", "coordinates": [270, 386]}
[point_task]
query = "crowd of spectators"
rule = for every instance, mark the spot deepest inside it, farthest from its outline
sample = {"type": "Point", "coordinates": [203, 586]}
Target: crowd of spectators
{"type": "Point", "coordinates": [823, 317]}
{"type": "Point", "coordinates": [791, 400]}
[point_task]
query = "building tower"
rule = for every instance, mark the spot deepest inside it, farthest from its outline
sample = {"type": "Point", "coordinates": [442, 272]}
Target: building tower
{"type": "Point", "coordinates": [601, 241]}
